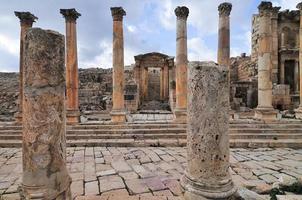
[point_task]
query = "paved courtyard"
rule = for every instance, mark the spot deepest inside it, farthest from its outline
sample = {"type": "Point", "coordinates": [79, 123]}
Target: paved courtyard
{"type": "Point", "coordinates": [150, 173]}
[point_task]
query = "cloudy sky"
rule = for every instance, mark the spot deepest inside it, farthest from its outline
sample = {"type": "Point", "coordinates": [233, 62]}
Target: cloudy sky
{"type": "Point", "coordinates": [149, 26]}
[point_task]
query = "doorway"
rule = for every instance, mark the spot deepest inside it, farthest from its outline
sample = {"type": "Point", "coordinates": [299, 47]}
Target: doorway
{"type": "Point", "coordinates": [289, 74]}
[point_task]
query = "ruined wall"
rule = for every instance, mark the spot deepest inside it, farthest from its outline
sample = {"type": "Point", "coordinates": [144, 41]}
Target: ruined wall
{"type": "Point", "coordinates": [94, 94]}
{"type": "Point", "coordinates": [243, 68]}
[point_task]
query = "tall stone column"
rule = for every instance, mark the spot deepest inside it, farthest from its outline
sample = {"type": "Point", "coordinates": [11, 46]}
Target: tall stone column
{"type": "Point", "coordinates": [72, 77]}
{"type": "Point", "coordinates": [299, 110]}
{"type": "Point", "coordinates": [224, 34]}
{"type": "Point", "coordinates": [207, 174]}
{"type": "Point", "coordinates": [118, 113]}
{"type": "Point", "coordinates": [296, 77]}
{"type": "Point", "coordinates": [265, 110]}
{"type": "Point", "coordinates": [26, 21]}
{"type": "Point", "coordinates": [180, 110]}
{"type": "Point", "coordinates": [162, 84]}
{"type": "Point", "coordinates": [166, 82]}
{"type": "Point", "coordinates": [45, 173]}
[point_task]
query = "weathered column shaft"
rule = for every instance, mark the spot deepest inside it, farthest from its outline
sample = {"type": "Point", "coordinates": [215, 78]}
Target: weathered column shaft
{"type": "Point", "coordinates": [296, 81]}
{"type": "Point", "coordinates": [181, 63]}
{"type": "Point", "coordinates": [162, 86]}
{"type": "Point", "coordinates": [265, 109]}
{"type": "Point", "coordinates": [118, 109]}
{"type": "Point", "coordinates": [45, 174]}
{"type": "Point", "coordinates": [166, 82]}
{"type": "Point", "coordinates": [207, 174]}
{"type": "Point", "coordinates": [299, 110]}
{"type": "Point", "coordinates": [26, 21]}
{"type": "Point", "coordinates": [72, 77]}
{"type": "Point", "coordinates": [224, 34]}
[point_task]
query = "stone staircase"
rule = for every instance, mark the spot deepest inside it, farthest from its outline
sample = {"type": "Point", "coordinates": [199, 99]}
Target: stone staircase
{"type": "Point", "coordinates": [243, 134]}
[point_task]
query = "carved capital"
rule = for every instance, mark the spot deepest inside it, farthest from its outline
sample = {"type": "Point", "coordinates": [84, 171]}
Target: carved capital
{"type": "Point", "coordinates": [265, 8]}
{"type": "Point", "coordinates": [117, 13]}
{"type": "Point", "coordinates": [225, 9]}
{"type": "Point", "coordinates": [299, 6]}
{"type": "Point", "coordinates": [26, 17]}
{"type": "Point", "coordinates": [70, 14]}
{"type": "Point", "coordinates": [182, 12]}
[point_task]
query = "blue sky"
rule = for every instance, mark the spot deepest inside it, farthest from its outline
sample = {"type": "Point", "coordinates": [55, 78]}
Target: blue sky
{"type": "Point", "coordinates": [149, 26]}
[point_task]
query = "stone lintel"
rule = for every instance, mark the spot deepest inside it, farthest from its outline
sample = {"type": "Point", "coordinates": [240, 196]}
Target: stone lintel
{"type": "Point", "coordinates": [225, 9]}
{"type": "Point", "coordinates": [117, 13]}
{"type": "Point", "coordinates": [70, 14]}
{"type": "Point", "coordinates": [26, 17]}
{"type": "Point", "coordinates": [182, 12]}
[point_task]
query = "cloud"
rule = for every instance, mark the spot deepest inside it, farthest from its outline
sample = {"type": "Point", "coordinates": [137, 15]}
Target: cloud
{"type": "Point", "coordinates": [9, 44]}
{"type": "Point", "coordinates": [286, 4]}
{"type": "Point", "coordinates": [199, 51]}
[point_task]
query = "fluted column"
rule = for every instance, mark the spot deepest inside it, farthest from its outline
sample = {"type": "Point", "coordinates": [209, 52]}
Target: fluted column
{"type": "Point", "coordinates": [180, 110]}
{"type": "Point", "coordinates": [72, 77]}
{"type": "Point", "coordinates": [265, 109]}
{"type": "Point", "coordinates": [299, 110]}
{"type": "Point", "coordinates": [118, 114]}
{"type": "Point", "coordinates": [26, 21]}
{"type": "Point", "coordinates": [224, 34]}
{"type": "Point", "coordinates": [45, 174]}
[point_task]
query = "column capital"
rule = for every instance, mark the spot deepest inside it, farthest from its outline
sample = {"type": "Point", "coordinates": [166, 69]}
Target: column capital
{"type": "Point", "coordinates": [117, 13]}
{"type": "Point", "coordinates": [182, 12]}
{"type": "Point", "coordinates": [225, 9]}
{"type": "Point", "coordinates": [299, 6]}
{"type": "Point", "coordinates": [26, 17]}
{"type": "Point", "coordinates": [265, 8]}
{"type": "Point", "coordinates": [70, 14]}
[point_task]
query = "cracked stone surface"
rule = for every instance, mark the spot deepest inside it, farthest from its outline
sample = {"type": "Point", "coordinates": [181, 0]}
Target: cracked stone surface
{"type": "Point", "coordinates": [247, 169]}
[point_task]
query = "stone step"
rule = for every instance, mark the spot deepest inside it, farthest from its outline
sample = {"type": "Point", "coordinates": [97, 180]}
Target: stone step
{"type": "Point", "coordinates": [260, 143]}
{"type": "Point", "coordinates": [234, 143]}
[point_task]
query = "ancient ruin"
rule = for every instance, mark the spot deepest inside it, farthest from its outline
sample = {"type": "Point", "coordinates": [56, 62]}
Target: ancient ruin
{"type": "Point", "coordinates": [45, 174]}
{"type": "Point", "coordinates": [163, 127]}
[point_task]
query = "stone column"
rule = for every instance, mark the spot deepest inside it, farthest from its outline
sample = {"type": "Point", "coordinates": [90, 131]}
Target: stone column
{"type": "Point", "coordinates": [72, 77]}
{"type": "Point", "coordinates": [296, 88]}
{"type": "Point", "coordinates": [275, 50]}
{"type": "Point", "coordinates": [45, 173]}
{"type": "Point", "coordinates": [207, 174]}
{"type": "Point", "coordinates": [282, 71]}
{"type": "Point", "coordinates": [265, 109]}
{"type": "Point", "coordinates": [162, 86]}
{"type": "Point", "coordinates": [166, 82]}
{"type": "Point", "coordinates": [180, 110]}
{"type": "Point", "coordinates": [118, 113]}
{"type": "Point", "coordinates": [26, 21]}
{"type": "Point", "coordinates": [224, 34]}
{"type": "Point", "coordinates": [299, 110]}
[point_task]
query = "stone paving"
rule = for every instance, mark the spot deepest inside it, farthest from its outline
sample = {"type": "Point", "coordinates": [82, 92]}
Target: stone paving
{"type": "Point", "coordinates": [151, 173]}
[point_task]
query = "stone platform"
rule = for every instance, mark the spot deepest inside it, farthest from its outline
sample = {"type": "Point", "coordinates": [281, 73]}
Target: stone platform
{"type": "Point", "coordinates": [153, 173]}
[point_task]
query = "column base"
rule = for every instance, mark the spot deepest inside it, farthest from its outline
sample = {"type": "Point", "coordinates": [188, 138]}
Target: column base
{"type": "Point", "coordinates": [298, 112]}
{"type": "Point", "coordinates": [73, 116]}
{"type": "Point", "coordinates": [18, 117]}
{"type": "Point", "coordinates": [118, 116]}
{"type": "Point", "coordinates": [180, 116]}
{"type": "Point", "coordinates": [266, 113]}
{"type": "Point", "coordinates": [203, 191]}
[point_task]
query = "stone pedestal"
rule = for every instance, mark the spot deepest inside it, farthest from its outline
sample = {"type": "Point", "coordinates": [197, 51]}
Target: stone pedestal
{"type": "Point", "coordinates": [26, 21]}
{"type": "Point", "coordinates": [180, 110]}
{"type": "Point", "coordinates": [207, 174]}
{"type": "Point", "coordinates": [72, 77]}
{"type": "Point", "coordinates": [299, 110]}
{"type": "Point", "coordinates": [118, 113]}
{"type": "Point", "coordinates": [45, 173]}
{"type": "Point", "coordinates": [265, 110]}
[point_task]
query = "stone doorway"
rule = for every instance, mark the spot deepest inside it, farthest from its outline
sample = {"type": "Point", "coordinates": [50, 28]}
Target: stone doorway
{"type": "Point", "coordinates": [152, 74]}
{"type": "Point", "coordinates": [289, 74]}
{"type": "Point", "coordinates": [154, 84]}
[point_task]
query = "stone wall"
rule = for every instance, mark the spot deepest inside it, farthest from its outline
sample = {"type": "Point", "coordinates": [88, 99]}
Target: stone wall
{"type": "Point", "coordinates": [243, 68]}
{"type": "Point", "coordinates": [94, 94]}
